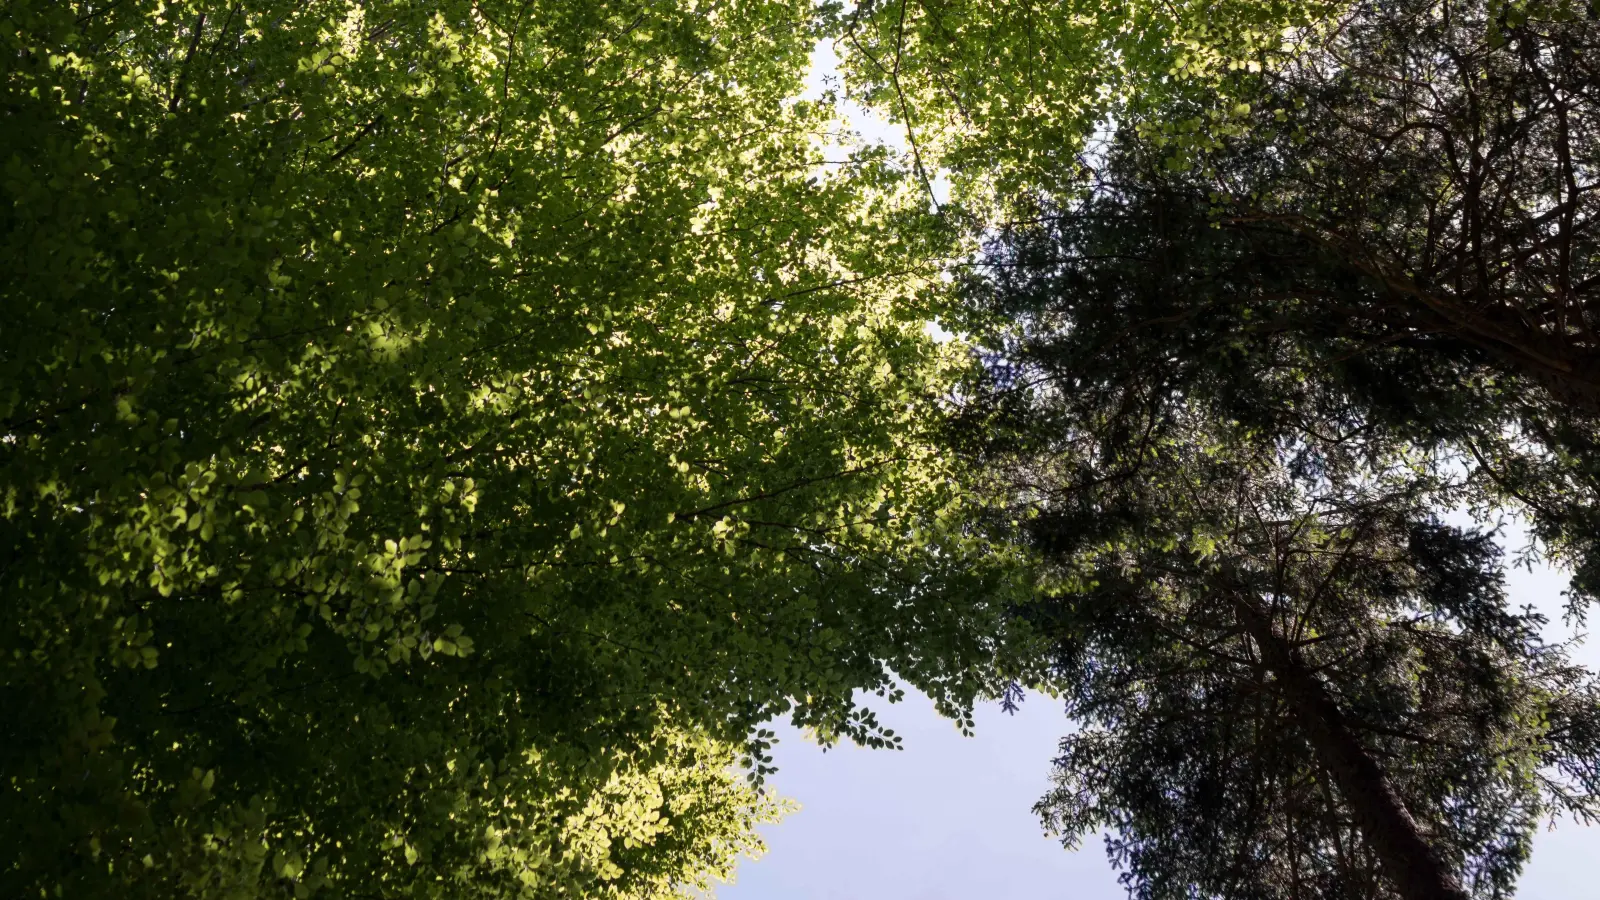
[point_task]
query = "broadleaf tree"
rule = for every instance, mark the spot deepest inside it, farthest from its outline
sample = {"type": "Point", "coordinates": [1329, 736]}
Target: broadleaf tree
{"type": "Point", "coordinates": [1005, 97]}
{"type": "Point", "coordinates": [436, 436]}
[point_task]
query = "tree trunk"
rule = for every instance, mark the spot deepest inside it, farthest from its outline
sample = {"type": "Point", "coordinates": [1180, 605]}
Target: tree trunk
{"type": "Point", "coordinates": [1409, 861]}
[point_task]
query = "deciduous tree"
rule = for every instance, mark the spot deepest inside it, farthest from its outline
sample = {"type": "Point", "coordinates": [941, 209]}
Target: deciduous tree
{"type": "Point", "coordinates": [436, 436]}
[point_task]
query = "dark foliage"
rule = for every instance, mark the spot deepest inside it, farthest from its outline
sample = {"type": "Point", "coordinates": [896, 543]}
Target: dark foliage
{"type": "Point", "coordinates": [1228, 399]}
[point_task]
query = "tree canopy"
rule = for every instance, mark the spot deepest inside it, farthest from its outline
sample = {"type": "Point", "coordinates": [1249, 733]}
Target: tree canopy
{"type": "Point", "coordinates": [1005, 95]}
{"type": "Point", "coordinates": [436, 438]}
{"type": "Point", "coordinates": [1234, 380]}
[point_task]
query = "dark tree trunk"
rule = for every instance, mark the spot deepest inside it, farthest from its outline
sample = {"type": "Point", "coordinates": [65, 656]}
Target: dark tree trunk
{"type": "Point", "coordinates": [1409, 861]}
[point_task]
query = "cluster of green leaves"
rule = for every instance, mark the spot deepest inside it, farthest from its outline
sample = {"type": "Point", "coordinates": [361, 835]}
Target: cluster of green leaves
{"type": "Point", "coordinates": [1005, 95]}
{"type": "Point", "coordinates": [436, 435]}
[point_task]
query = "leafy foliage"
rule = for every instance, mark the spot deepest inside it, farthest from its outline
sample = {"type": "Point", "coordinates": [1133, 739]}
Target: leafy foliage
{"type": "Point", "coordinates": [1005, 94]}
{"type": "Point", "coordinates": [437, 435]}
{"type": "Point", "coordinates": [1442, 155]}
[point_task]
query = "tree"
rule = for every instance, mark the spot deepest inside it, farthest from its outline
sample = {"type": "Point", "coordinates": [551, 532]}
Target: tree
{"type": "Point", "coordinates": [1313, 697]}
{"type": "Point", "coordinates": [1418, 182]}
{"type": "Point", "coordinates": [1469, 210]}
{"type": "Point", "coordinates": [1425, 167]}
{"type": "Point", "coordinates": [1204, 364]}
{"type": "Point", "coordinates": [1442, 149]}
{"type": "Point", "coordinates": [1291, 680]}
{"type": "Point", "coordinates": [1399, 219]}
{"type": "Point", "coordinates": [437, 435]}
{"type": "Point", "coordinates": [1005, 95]}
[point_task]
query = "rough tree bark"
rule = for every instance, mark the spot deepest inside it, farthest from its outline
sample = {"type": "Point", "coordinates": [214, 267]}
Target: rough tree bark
{"type": "Point", "coordinates": [1409, 861]}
